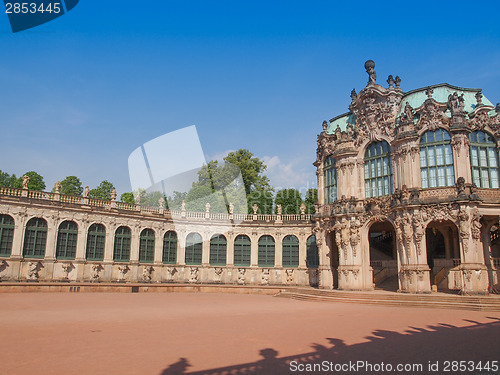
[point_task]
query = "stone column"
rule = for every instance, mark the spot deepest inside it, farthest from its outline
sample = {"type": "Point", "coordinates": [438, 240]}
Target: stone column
{"type": "Point", "coordinates": [302, 250]}
{"type": "Point", "coordinates": [134, 244]}
{"type": "Point", "coordinates": [230, 249]}
{"type": "Point", "coordinates": [278, 248]}
{"type": "Point", "coordinates": [17, 241]}
{"type": "Point", "coordinates": [158, 247]}
{"type": "Point", "coordinates": [254, 249]}
{"type": "Point", "coordinates": [321, 184]}
{"type": "Point", "coordinates": [50, 249]}
{"type": "Point", "coordinates": [461, 156]}
{"type": "Point", "coordinates": [81, 243]}
{"type": "Point", "coordinates": [205, 257]}
{"type": "Point", "coordinates": [181, 248]}
{"type": "Point", "coordinates": [109, 243]}
{"type": "Point", "coordinates": [324, 269]}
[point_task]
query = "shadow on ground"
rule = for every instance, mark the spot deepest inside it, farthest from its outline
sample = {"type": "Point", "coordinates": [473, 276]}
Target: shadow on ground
{"type": "Point", "coordinates": [417, 346]}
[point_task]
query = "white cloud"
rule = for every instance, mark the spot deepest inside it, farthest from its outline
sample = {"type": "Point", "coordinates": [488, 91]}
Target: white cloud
{"type": "Point", "coordinates": [295, 173]}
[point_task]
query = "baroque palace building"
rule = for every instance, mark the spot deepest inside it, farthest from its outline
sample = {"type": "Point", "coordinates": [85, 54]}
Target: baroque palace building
{"type": "Point", "coordinates": [408, 200]}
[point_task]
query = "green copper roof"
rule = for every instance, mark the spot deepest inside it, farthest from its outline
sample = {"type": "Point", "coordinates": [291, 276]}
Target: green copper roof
{"type": "Point", "coordinates": [441, 92]}
{"type": "Point", "coordinates": [416, 98]}
{"type": "Point", "coordinates": [342, 121]}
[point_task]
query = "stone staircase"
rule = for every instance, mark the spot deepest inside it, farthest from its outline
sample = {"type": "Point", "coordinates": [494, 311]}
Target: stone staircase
{"type": "Point", "coordinates": [435, 300]}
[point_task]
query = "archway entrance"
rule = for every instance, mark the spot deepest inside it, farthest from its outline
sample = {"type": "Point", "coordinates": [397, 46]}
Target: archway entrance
{"type": "Point", "coordinates": [334, 258]}
{"type": "Point", "coordinates": [383, 256]}
{"type": "Point", "coordinates": [443, 252]}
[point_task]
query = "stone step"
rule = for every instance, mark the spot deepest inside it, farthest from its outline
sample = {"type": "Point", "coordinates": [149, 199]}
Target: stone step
{"type": "Point", "coordinates": [452, 302]}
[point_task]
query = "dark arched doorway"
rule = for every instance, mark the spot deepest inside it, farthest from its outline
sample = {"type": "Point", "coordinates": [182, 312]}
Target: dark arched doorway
{"type": "Point", "coordinates": [442, 252]}
{"type": "Point", "coordinates": [383, 255]}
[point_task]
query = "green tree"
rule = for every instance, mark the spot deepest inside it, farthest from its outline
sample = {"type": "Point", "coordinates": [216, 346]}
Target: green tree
{"type": "Point", "coordinates": [127, 198]}
{"type": "Point", "coordinates": [72, 185]}
{"type": "Point", "coordinates": [35, 183]}
{"type": "Point", "coordinates": [174, 201]}
{"type": "Point", "coordinates": [290, 200]}
{"type": "Point", "coordinates": [252, 169]}
{"type": "Point", "coordinates": [311, 198]}
{"type": "Point", "coordinates": [8, 180]}
{"type": "Point", "coordinates": [103, 191]}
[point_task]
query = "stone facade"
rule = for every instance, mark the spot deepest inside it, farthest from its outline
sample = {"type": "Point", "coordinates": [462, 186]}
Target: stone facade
{"type": "Point", "coordinates": [55, 209]}
{"type": "Point", "coordinates": [428, 225]}
{"type": "Point", "coordinates": [407, 191]}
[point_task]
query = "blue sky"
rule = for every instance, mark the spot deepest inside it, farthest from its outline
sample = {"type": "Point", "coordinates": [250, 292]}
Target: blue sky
{"type": "Point", "coordinates": [80, 93]}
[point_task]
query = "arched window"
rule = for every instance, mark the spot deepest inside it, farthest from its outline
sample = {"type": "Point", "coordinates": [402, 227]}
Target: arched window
{"type": "Point", "coordinates": [312, 253]}
{"type": "Point", "coordinates": [290, 251]}
{"type": "Point", "coordinates": [436, 159]}
{"type": "Point", "coordinates": [378, 170]}
{"type": "Point", "coordinates": [330, 180]}
{"type": "Point", "coordinates": [484, 160]}
{"type": "Point", "coordinates": [147, 246]}
{"type": "Point", "coordinates": [218, 249]}
{"type": "Point", "coordinates": [242, 250]}
{"type": "Point", "coordinates": [6, 235]}
{"type": "Point", "coordinates": [35, 238]}
{"type": "Point", "coordinates": [121, 251]}
{"type": "Point", "coordinates": [170, 248]}
{"type": "Point", "coordinates": [266, 251]}
{"type": "Point", "coordinates": [96, 238]}
{"type": "Point", "coordinates": [194, 249]}
{"type": "Point", "coordinates": [66, 240]}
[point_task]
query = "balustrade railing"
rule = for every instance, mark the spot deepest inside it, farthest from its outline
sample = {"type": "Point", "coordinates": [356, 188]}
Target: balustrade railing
{"type": "Point", "coordinates": [108, 205]}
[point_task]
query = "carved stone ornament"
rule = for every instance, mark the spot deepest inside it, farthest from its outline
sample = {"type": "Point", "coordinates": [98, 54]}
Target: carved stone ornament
{"type": "Point", "coordinates": [460, 142]}
{"type": "Point", "coordinates": [218, 274]}
{"type": "Point", "coordinates": [193, 274]}
{"type": "Point", "coordinates": [241, 276]}
{"type": "Point", "coordinates": [432, 115]}
{"type": "Point", "coordinates": [375, 110]}
{"type": "Point", "coordinates": [289, 276]}
{"type": "Point", "coordinates": [123, 269]}
{"type": "Point", "coordinates": [33, 271]}
{"type": "Point", "coordinates": [265, 276]}
{"type": "Point", "coordinates": [147, 273]}
{"type": "Point", "coordinates": [66, 268]}
{"type": "Point", "coordinates": [95, 276]}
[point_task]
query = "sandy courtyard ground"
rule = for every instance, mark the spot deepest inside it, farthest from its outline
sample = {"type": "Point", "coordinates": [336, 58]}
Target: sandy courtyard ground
{"type": "Point", "coordinates": [174, 333]}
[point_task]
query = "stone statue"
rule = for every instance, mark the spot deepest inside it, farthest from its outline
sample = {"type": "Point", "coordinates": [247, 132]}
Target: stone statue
{"type": "Point", "coordinates": [408, 111]}
{"type": "Point", "coordinates": [255, 208]}
{"type": "Point", "coordinates": [479, 98]}
{"type": "Point", "coordinates": [207, 207]}
{"type": "Point", "coordinates": [278, 209]}
{"type": "Point", "coordinates": [324, 125]}
{"type": "Point", "coordinates": [398, 82]}
{"type": "Point", "coordinates": [26, 180]}
{"type": "Point", "coordinates": [113, 195]}
{"type": "Point", "coordinates": [96, 270]}
{"type": "Point", "coordinates": [429, 92]}
{"type": "Point", "coordinates": [370, 69]}
{"type": "Point", "coordinates": [241, 276]}
{"type": "Point", "coordinates": [57, 187]}
{"type": "Point", "coordinates": [354, 95]}
{"type": "Point", "coordinates": [183, 205]}
{"type": "Point", "coordinates": [138, 198]}
{"type": "Point", "coordinates": [231, 208]}
{"type": "Point", "coordinates": [161, 202]}
{"type": "Point", "coordinates": [86, 192]}
{"type": "Point", "coordinates": [147, 273]}
{"type": "Point", "coordinates": [390, 81]}
{"type": "Point", "coordinates": [303, 209]}
{"type": "Point", "coordinates": [460, 185]}
{"type": "Point", "coordinates": [66, 268]}
{"type": "Point", "coordinates": [32, 267]}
